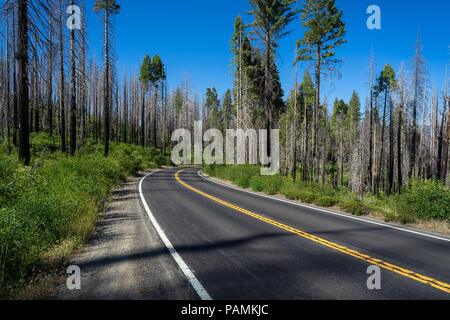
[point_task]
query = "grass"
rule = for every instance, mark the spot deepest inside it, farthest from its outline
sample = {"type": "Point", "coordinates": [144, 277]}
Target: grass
{"type": "Point", "coordinates": [50, 208]}
{"type": "Point", "coordinates": [420, 201]}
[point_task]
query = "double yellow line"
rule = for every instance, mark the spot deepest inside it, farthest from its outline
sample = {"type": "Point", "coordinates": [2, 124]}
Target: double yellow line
{"type": "Point", "coordinates": [383, 264]}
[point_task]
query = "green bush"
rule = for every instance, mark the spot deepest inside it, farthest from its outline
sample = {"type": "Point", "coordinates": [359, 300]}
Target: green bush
{"type": "Point", "coordinates": [326, 201]}
{"type": "Point", "coordinates": [160, 160]}
{"type": "Point", "coordinates": [293, 195]}
{"type": "Point", "coordinates": [355, 207]}
{"type": "Point", "coordinates": [423, 200]}
{"type": "Point", "coordinates": [272, 184]}
{"type": "Point", "coordinates": [243, 181]}
{"type": "Point", "coordinates": [257, 183]}
{"type": "Point", "coordinates": [240, 175]}
{"type": "Point", "coordinates": [307, 197]}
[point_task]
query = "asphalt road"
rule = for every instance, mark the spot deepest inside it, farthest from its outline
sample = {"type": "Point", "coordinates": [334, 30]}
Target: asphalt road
{"type": "Point", "coordinates": [240, 245]}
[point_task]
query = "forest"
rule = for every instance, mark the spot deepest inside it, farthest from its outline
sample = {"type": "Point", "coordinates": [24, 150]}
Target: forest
{"type": "Point", "coordinates": [51, 85]}
{"type": "Point", "coordinates": [62, 108]}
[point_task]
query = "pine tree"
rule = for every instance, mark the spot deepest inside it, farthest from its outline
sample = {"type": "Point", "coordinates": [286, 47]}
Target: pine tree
{"type": "Point", "coordinates": [213, 104]}
{"type": "Point", "coordinates": [145, 78]}
{"type": "Point", "coordinates": [307, 98]}
{"type": "Point", "coordinates": [271, 17]}
{"type": "Point", "coordinates": [227, 106]}
{"type": "Point", "coordinates": [354, 115]}
{"type": "Point", "coordinates": [340, 123]}
{"type": "Point", "coordinates": [324, 32]}
{"type": "Point", "coordinates": [385, 83]}
{"type": "Point", "coordinates": [157, 75]}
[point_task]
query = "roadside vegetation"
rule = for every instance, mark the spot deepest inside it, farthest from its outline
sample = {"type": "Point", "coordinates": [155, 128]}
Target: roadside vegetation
{"type": "Point", "coordinates": [420, 200]}
{"type": "Point", "coordinates": [49, 209]}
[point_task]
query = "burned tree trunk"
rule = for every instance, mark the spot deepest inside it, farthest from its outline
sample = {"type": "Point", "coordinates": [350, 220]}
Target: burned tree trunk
{"type": "Point", "coordinates": [22, 63]}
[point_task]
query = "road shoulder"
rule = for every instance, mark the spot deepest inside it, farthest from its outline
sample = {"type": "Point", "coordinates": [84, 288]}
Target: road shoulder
{"type": "Point", "coordinates": [125, 258]}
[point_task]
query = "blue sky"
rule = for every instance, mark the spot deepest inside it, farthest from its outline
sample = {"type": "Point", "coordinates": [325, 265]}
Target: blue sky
{"type": "Point", "coordinates": [195, 36]}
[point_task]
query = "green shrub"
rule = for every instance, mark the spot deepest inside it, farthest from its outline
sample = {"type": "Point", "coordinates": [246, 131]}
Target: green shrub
{"type": "Point", "coordinates": [326, 201]}
{"type": "Point", "coordinates": [160, 160]}
{"type": "Point", "coordinates": [243, 181]}
{"type": "Point", "coordinates": [272, 184]}
{"type": "Point", "coordinates": [423, 200]}
{"type": "Point", "coordinates": [307, 197]}
{"type": "Point", "coordinates": [355, 207]}
{"type": "Point", "coordinates": [257, 183]}
{"type": "Point", "coordinates": [267, 184]}
{"type": "Point", "coordinates": [293, 195]}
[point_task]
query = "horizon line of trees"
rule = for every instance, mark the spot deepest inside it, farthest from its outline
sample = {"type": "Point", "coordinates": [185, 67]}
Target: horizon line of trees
{"type": "Point", "coordinates": [401, 131]}
{"type": "Point", "coordinates": [49, 83]}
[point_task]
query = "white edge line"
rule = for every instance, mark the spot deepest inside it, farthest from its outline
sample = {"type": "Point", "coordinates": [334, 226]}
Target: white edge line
{"type": "Point", "coordinates": [323, 210]}
{"type": "Point", "coordinates": [203, 294]}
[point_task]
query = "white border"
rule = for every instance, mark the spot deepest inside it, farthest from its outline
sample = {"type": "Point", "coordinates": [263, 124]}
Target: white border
{"type": "Point", "coordinates": [200, 173]}
{"type": "Point", "coordinates": [203, 294]}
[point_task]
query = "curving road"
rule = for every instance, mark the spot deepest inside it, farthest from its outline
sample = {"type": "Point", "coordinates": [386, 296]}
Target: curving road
{"type": "Point", "coordinates": [232, 244]}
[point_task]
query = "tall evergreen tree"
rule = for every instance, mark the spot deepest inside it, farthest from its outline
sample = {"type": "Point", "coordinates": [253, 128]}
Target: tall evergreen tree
{"type": "Point", "coordinates": [213, 104]}
{"type": "Point", "coordinates": [157, 75]}
{"type": "Point", "coordinates": [271, 17]}
{"type": "Point", "coordinates": [324, 32]}
{"type": "Point", "coordinates": [227, 107]}
{"type": "Point", "coordinates": [354, 114]}
{"type": "Point", "coordinates": [385, 83]}
{"type": "Point", "coordinates": [340, 124]}
{"type": "Point", "coordinates": [145, 77]}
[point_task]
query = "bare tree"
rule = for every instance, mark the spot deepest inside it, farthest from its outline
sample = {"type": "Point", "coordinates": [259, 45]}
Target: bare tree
{"type": "Point", "coordinates": [294, 123]}
{"type": "Point", "coordinates": [419, 70]}
{"type": "Point", "coordinates": [445, 153]}
{"type": "Point", "coordinates": [109, 8]}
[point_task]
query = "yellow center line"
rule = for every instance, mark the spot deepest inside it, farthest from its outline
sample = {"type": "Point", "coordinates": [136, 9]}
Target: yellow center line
{"type": "Point", "coordinates": [402, 271]}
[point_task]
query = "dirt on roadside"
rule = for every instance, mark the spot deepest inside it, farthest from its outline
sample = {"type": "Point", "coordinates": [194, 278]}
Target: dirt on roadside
{"type": "Point", "coordinates": [125, 258]}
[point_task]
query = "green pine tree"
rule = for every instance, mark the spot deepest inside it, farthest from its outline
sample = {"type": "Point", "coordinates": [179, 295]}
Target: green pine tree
{"type": "Point", "coordinates": [213, 104]}
{"type": "Point", "coordinates": [227, 107]}
{"type": "Point", "coordinates": [271, 17]}
{"type": "Point", "coordinates": [145, 77]}
{"type": "Point", "coordinates": [385, 83]}
{"type": "Point", "coordinates": [324, 32]}
{"type": "Point", "coordinates": [157, 75]}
